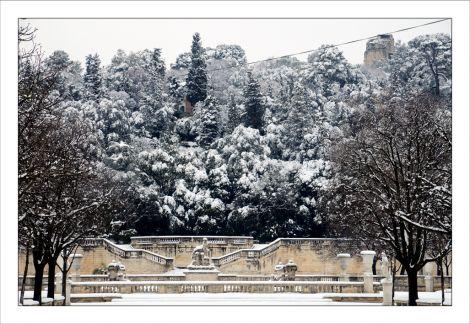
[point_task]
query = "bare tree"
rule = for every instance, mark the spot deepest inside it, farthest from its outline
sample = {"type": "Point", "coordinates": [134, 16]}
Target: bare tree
{"type": "Point", "coordinates": [393, 182]}
{"type": "Point", "coordinates": [63, 193]}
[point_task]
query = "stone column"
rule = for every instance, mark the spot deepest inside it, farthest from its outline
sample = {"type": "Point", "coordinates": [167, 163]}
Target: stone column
{"type": "Point", "coordinates": [387, 291]}
{"type": "Point", "coordinates": [368, 283]}
{"type": "Point", "coordinates": [68, 291]}
{"type": "Point", "coordinates": [429, 268]}
{"type": "Point", "coordinates": [428, 279]}
{"type": "Point", "coordinates": [429, 283]}
{"type": "Point", "coordinates": [367, 259]}
{"type": "Point", "coordinates": [58, 284]}
{"type": "Point", "coordinates": [77, 261]}
{"type": "Point", "coordinates": [344, 259]}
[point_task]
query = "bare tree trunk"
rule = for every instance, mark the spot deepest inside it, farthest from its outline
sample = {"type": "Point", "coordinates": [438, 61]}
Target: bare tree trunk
{"type": "Point", "coordinates": [51, 278]}
{"type": "Point", "coordinates": [394, 270]}
{"type": "Point", "coordinates": [447, 263]}
{"type": "Point", "coordinates": [412, 287]}
{"type": "Point", "coordinates": [39, 272]}
{"type": "Point", "coordinates": [65, 271]}
{"type": "Point", "coordinates": [402, 270]}
{"type": "Point", "coordinates": [25, 274]}
{"type": "Point", "coordinates": [440, 264]}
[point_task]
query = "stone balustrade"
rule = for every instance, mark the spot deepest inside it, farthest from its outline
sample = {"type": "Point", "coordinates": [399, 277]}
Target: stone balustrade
{"type": "Point", "coordinates": [401, 281]}
{"type": "Point", "coordinates": [214, 240]}
{"type": "Point", "coordinates": [130, 253]}
{"type": "Point", "coordinates": [162, 287]}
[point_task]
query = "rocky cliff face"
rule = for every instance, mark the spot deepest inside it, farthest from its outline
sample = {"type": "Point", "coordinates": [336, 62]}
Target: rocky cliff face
{"type": "Point", "coordinates": [379, 49]}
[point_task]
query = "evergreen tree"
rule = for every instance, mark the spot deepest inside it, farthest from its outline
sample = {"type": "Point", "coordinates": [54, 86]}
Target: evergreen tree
{"type": "Point", "coordinates": [254, 109]}
{"type": "Point", "coordinates": [233, 115]}
{"type": "Point", "coordinates": [156, 117]}
{"type": "Point", "coordinates": [117, 78]}
{"type": "Point", "coordinates": [174, 88]}
{"type": "Point", "coordinates": [92, 78]}
{"type": "Point", "coordinates": [154, 67]}
{"type": "Point", "coordinates": [299, 121]}
{"type": "Point", "coordinates": [196, 81]}
{"type": "Point", "coordinates": [209, 123]}
{"type": "Point", "coordinates": [69, 74]}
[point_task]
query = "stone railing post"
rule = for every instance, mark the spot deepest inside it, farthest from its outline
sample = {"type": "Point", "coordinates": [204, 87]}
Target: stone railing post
{"type": "Point", "coordinates": [76, 263]}
{"type": "Point", "coordinates": [367, 259]}
{"type": "Point", "coordinates": [428, 279]}
{"type": "Point", "coordinates": [429, 283]}
{"type": "Point", "coordinates": [58, 285]}
{"type": "Point", "coordinates": [368, 283]}
{"type": "Point", "coordinates": [387, 291]}
{"type": "Point", "coordinates": [68, 291]}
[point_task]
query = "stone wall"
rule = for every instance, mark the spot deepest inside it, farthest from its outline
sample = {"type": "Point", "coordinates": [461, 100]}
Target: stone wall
{"type": "Point", "coordinates": [180, 248]}
{"type": "Point", "coordinates": [232, 255]}
{"type": "Point", "coordinates": [98, 257]}
{"type": "Point", "coordinates": [310, 257]}
{"type": "Point", "coordinates": [379, 49]}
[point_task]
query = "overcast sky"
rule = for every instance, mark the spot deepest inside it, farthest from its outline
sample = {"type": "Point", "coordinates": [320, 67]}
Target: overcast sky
{"type": "Point", "coordinates": [260, 38]}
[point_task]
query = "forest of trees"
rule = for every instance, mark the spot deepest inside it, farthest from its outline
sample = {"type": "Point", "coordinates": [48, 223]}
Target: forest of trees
{"type": "Point", "coordinates": [282, 148]}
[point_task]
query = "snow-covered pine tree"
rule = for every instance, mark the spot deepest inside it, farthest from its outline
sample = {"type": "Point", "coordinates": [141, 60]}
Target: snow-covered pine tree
{"type": "Point", "coordinates": [92, 78]}
{"type": "Point", "coordinates": [174, 88]}
{"type": "Point", "coordinates": [157, 117]}
{"type": "Point", "coordinates": [299, 121]}
{"type": "Point", "coordinates": [254, 109]}
{"type": "Point", "coordinates": [209, 122]}
{"type": "Point", "coordinates": [234, 118]}
{"type": "Point", "coordinates": [156, 70]}
{"type": "Point", "coordinates": [196, 81]}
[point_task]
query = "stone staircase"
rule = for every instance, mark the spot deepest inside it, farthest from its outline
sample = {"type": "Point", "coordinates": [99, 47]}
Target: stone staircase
{"type": "Point", "coordinates": [127, 252]}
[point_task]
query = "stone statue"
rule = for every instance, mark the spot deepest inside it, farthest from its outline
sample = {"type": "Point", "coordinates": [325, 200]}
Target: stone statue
{"type": "Point", "coordinates": [385, 265]}
{"type": "Point", "coordinates": [285, 272]}
{"type": "Point", "coordinates": [201, 256]}
{"type": "Point", "coordinates": [116, 271]}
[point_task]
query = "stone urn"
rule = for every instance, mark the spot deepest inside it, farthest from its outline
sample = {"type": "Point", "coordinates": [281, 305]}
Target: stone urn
{"type": "Point", "coordinates": [289, 270]}
{"type": "Point", "coordinates": [344, 259]}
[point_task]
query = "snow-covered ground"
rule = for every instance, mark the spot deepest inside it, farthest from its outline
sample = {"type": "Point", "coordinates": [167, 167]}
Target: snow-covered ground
{"type": "Point", "coordinates": [28, 298]}
{"type": "Point", "coordinates": [223, 299]}
{"type": "Point", "coordinates": [323, 299]}
{"type": "Point", "coordinates": [427, 297]}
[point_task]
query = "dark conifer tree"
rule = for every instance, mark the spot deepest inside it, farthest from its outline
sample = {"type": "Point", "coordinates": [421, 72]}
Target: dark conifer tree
{"type": "Point", "coordinates": [254, 108]}
{"type": "Point", "coordinates": [157, 75]}
{"type": "Point", "coordinates": [299, 121]}
{"type": "Point", "coordinates": [92, 79]}
{"type": "Point", "coordinates": [155, 119]}
{"type": "Point", "coordinates": [196, 81]}
{"type": "Point", "coordinates": [233, 115]}
{"type": "Point", "coordinates": [210, 121]}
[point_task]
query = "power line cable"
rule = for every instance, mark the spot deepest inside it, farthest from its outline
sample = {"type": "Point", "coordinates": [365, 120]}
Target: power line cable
{"type": "Point", "coordinates": [325, 47]}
